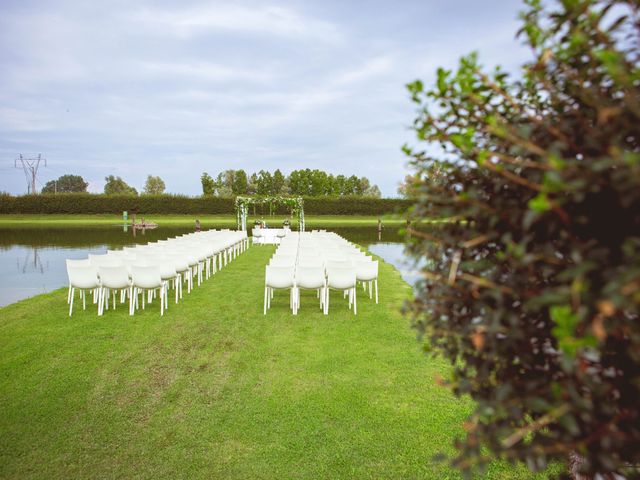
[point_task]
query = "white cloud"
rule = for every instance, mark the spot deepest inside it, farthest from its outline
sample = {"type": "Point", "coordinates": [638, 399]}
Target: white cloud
{"type": "Point", "coordinates": [271, 20]}
{"type": "Point", "coordinates": [207, 71]}
{"type": "Point", "coordinates": [180, 88]}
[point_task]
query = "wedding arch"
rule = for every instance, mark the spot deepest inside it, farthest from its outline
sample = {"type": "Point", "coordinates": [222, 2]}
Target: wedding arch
{"type": "Point", "coordinates": [296, 204]}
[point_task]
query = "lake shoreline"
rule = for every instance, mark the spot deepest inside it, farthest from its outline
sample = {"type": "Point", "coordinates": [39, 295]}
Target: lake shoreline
{"type": "Point", "coordinates": [73, 220]}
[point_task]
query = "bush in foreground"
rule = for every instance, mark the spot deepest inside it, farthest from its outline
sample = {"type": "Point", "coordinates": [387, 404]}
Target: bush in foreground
{"type": "Point", "coordinates": [533, 295]}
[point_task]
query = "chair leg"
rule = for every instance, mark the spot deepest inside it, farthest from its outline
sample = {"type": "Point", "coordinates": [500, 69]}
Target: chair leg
{"type": "Point", "coordinates": [294, 298]}
{"type": "Point", "coordinates": [376, 284]}
{"type": "Point", "coordinates": [355, 302]}
{"type": "Point", "coordinates": [69, 295]}
{"type": "Point", "coordinates": [266, 293]}
{"type": "Point", "coordinates": [73, 294]}
{"type": "Point", "coordinates": [326, 301]}
{"type": "Point", "coordinates": [166, 294]}
{"type": "Point", "coordinates": [84, 299]}
{"type": "Point", "coordinates": [370, 292]}
{"type": "Point", "coordinates": [161, 299]}
{"type": "Point", "coordinates": [131, 300]}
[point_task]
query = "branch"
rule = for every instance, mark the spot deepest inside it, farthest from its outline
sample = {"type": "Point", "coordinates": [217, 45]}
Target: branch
{"type": "Point", "coordinates": [542, 422]}
{"type": "Point", "coordinates": [513, 177]}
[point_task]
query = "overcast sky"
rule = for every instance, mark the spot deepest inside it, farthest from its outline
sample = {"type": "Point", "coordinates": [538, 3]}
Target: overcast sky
{"type": "Point", "coordinates": [177, 88]}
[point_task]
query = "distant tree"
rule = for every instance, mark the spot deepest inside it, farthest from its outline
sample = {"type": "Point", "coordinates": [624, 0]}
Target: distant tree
{"type": "Point", "coordinates": [154, 186]}
{"type": "Point", "coordinates": [363, 186]}
{"type": "Point", "coordinates": [264, 183]}
{"type": "Point", "coordinates": [338, 185]}
{"type": "Point", "coordinates": [224, 183]}
{"type": "Point", "coordinates": [278, 183]}
{"type": "Point", "coordinates": [307, 182]}
{"type": "Point", "coordinates": [300, 182]}
{"type": "Point", "coordinates": [240, 183]}
{"type": "Point", "coordinates": [352, 185]}
{"type": "Point", "coordinates": [65, 184]}
{"type": "Point", "coordinates": [208, 184]}
{"type": "Point", "coordinates": [252, 187]}
{"type": "Point", "coordinates": [117, 186]}
{"type": "Point", "coordinates": [373, 192]}
{"type": "Point", "coordinates": [319, 183]}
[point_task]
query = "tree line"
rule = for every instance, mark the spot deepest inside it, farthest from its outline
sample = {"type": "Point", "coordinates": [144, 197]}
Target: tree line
{"type": "Point", "coordinates": [304, 182]}
{"type": "Point", "coordinates": [113, 186]}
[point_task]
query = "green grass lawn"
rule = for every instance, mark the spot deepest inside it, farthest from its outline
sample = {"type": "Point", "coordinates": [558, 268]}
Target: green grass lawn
{"type": "Point", "coordinates": [8, 220]}
{"type": "Point", "coordinates": [214, 389]}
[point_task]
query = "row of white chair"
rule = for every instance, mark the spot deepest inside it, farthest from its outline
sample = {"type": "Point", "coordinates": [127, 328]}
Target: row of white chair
{"type": "Point", "coordinates": [321, 261]}
{"type": "Point", "coordinates": [152, 268]}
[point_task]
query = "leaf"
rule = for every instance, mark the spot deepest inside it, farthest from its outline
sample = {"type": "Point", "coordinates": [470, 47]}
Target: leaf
{"type": "Point", "coordinates": [540, 203]}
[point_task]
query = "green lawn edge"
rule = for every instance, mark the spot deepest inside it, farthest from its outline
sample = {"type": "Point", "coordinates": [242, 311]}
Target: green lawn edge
{"type": "Point", "coordinates": [215, 389]}
{"type": "Point", "coordinates": [26, 220]}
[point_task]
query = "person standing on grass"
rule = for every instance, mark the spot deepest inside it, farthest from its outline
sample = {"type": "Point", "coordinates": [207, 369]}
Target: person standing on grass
{"type": "Point", "coordinates": [197, 225]}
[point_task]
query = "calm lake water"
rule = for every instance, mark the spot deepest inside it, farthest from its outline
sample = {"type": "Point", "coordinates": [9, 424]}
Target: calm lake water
{"type": "Point", "coordinates": [32, 260]}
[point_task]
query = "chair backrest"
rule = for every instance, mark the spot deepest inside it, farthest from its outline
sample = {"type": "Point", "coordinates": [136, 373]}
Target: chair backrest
{"type": "Point", "coordinates": [338, 264]}
{"type": "Point", "coordinates": [105, 260]}
{"type": "Point", "coordinates": [310, 277]}
{"type": "Point", "coordinates": [366, 270]}
{"type": "Point", "coordinates": [145, 276]}
{"type": "Point", "coordinates": [341, 278]}
{"type": "Point", "coordinates": [333, 257]}
{"type": "Point", "coordinates": [179, 262]}
{"type": "Point", "coordinates": [283, 260]}
{"type": "Point", "coordinates": [114, 277]}
{"type": "Point", "coordinates": [85, 262]}
{"type": "Point", "coordinates": [83, 276]}
{"type": "Point", "coordinates": [279, 277]}
{"type": "Point", "coordinates": [310, 262]}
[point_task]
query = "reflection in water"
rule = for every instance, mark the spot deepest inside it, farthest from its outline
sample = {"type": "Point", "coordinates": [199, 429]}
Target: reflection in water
{"type": "Point", "coordinates": [394, 254]}
{"type": "Point", "coordinates": [32, 259]}
{"type": "Point", "coordinates": [32, 262]}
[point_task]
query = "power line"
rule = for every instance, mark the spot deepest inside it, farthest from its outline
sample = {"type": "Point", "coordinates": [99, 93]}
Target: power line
{"type": "Point", "coordinates": [30, 167]}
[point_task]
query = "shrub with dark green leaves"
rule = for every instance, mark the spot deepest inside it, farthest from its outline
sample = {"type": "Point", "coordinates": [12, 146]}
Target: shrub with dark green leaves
{"type": "Point", "coordinates": [532, 291]}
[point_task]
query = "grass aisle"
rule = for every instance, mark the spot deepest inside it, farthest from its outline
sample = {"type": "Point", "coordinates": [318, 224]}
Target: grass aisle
{"type": "Point", "coordinates": [214, 389]}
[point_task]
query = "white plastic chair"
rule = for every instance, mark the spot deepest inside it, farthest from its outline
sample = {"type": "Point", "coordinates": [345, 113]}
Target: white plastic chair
{"type": "Point", "coordinates": [180, 269]}
{"type": "Point", "coordinates": [83, 279]}
{"type": "Point", "coordinates": [146, 279]}
{"type": "Point", "coordinates": [367, 273]}
{"type": "Point", "coordinates": [310, 278]}
{"type": "Point", "coordinates": [257, 236]}
{"type": "Point", "coordinates": [113, 280]}
{"type": "Point", "coordinates": [75, 263]}
{"type": "Point", "coordinates": [343, 279]}
{"type": "Point", "coordinates": [279, 278]}
{"type": "Point", "coordinates": [282, 261]}
{"type": "Point", "coordinates": [309, 262]}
